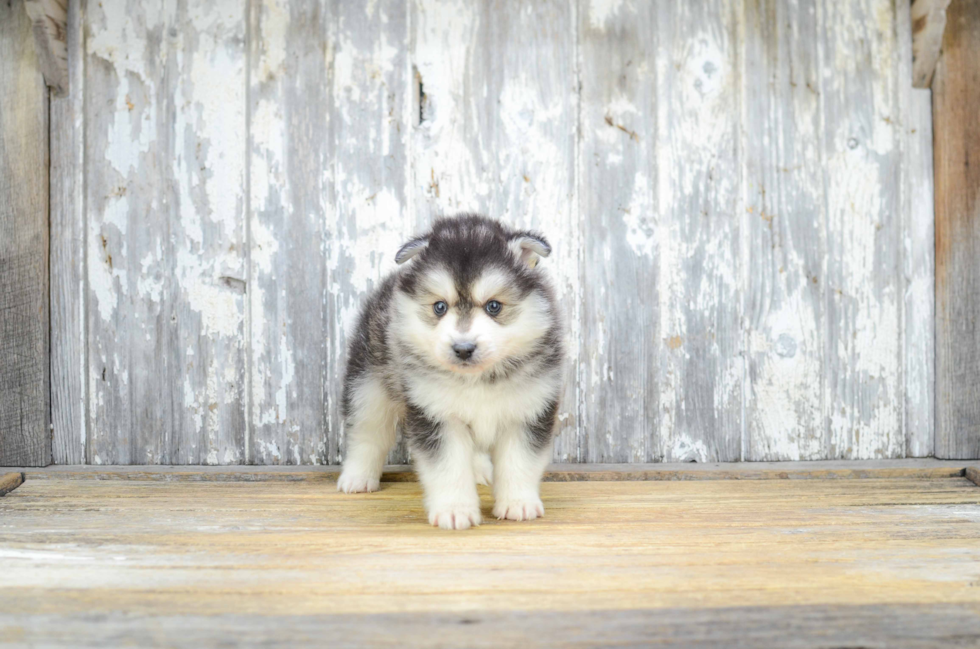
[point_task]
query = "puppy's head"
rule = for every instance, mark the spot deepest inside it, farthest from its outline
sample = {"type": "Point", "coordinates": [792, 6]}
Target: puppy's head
{"type": "Point", "coordinates": [472, 299]}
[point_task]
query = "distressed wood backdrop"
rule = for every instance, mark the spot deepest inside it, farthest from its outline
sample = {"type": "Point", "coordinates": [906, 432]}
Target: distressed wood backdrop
{"type": "Point", "coordinates": [739, 193]}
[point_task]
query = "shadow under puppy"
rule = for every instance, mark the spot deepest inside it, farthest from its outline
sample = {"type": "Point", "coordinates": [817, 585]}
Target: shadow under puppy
{"type": "Point", "coordinates": [461, 346]}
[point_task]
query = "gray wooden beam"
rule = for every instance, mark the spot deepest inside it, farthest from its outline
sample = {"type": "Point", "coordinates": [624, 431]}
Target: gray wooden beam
{"type": "Point", "coordinates": [25, 438]}
{"type": "Point", "coordinates": [67, 253]}
{"type": "Point", "coordinates": [49, 19]}
{"type": "Point", "coordinates": [928, 23]}
{"type": "Point", "coordinates": [956, 133]}
{"type": "Point", "coordinates": [899, 626]}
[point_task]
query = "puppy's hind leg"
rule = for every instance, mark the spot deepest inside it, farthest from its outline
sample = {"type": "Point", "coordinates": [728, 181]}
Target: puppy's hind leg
{"type": "Point", "coordinates": [371, 429]}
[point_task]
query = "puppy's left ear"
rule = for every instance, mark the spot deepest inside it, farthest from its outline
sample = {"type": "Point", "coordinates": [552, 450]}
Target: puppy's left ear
{"type": "Point", "coordinates": [529, 247]}
{"type": "Point", "coordinates": [410, 249]}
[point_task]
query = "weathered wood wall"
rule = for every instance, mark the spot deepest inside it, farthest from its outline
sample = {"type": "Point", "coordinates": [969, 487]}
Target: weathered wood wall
{"type": "Point", "coordinates": [25, 433]}
{"type": "Point", "coordinates": [956, 89]}
{"type": "Point", "coordinates": [739, 193]}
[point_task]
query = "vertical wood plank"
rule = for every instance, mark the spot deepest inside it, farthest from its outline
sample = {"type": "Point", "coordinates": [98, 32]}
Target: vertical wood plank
{"type": "Point", "coordinates": [291, 167]}
{"type": "Point", "coordinates": [698, 184]}
{"type": "Point", "coordinates": [920, 284]}
{"type": "Point", "coordinates": [291, 205]}
{"type": "Point", "coordinates": [207, 233]}
{"type": "Point", "coordinates": [956, 133]}
{"type": "Point", "coordinates": [127, 203]}
{"type": "Point", "coordinates": [329, 130]}
{"type": "Point", "coordinates": [783, 233]}
{"type": "Point", "coordinates": [621, 347]}
{"type": "Point", "coordinates": [863, 141]}
{"type": "Point", "coordinates": [497, 136]}
{"type": "Point", "coordinates": [68, 289]}
{"type": "Point", "coordinates": [372, 119]}
{"type": "Point", "coordinates": [25, 437]}
{"type": "Point", "coordinates": [531, 112]}
{"type": "Point", "coordinates": [165, 134]}
{"type": "Point", "coordinates": [919, 248]}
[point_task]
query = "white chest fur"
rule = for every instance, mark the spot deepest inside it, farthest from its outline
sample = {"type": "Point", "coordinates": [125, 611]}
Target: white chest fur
{"type": "Point", "coordinates": [487, 408]}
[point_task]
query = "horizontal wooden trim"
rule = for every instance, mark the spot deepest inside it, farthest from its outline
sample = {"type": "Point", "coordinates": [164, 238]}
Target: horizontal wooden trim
{"type": "Point", "coordinates": [879, 469]}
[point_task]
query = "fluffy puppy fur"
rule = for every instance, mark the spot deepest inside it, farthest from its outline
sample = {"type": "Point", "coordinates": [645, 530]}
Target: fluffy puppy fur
{"type": "Point", "coordinates": [461, 348]}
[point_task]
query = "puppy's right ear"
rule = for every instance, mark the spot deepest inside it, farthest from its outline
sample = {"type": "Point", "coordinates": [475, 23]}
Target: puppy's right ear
{"type": "Point", "coordinates": [410, 249]}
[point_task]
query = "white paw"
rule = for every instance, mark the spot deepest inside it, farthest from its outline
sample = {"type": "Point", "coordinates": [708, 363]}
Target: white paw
{"type": "Point", "coordinates": [519, 509]}
{"type": "Point", "coordinates": [353, 480]}
{"type": "Point", "coordinates": [483, 468]}
{"type": "Point", "coordinates": [455, 517]}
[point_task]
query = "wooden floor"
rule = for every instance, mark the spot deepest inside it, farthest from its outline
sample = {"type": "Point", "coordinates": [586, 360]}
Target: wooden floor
{"type": "Point", "coordinates": [783, 563]}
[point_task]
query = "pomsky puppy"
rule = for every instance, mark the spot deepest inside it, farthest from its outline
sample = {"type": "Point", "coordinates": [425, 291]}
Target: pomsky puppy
{"type": "Point", "coordinates": [462, 348]}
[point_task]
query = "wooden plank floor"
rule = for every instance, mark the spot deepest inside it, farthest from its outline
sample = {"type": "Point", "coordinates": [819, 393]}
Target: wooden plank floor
{"type": "Point", "coordinates": [814, 563]}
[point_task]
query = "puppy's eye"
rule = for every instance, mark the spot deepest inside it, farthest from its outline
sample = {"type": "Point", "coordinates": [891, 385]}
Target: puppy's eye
{"type": "Point", "coordinates": [440, 308]}
{"type": "Point", "coordinates": [493, 307]}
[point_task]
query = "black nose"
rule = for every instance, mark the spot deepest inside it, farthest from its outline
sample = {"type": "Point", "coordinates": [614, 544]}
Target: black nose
{"type": "Point", "coordinates": [464, 350]}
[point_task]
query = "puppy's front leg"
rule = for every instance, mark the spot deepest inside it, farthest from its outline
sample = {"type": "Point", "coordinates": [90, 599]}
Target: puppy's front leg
{"type": "Point", "coordinates": [443, 454]}
{"type": "Point", "coordinates": [518, 464]}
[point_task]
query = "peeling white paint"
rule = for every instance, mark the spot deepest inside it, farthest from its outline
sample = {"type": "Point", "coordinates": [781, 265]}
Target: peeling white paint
{"type": "Point", "coordinates": [601, 11]}
{"type": "Point", "coordinates": [685, 449]}
{"type": "Point", "coordinates": [275, 24]}
{"type": "Point", "coordinates": [811, 360]}
{"type": "Point", "coordinates": [218, 307]}
{"type": "Point", "coordinates": [105, 281]}
{"type": "Point", "coordinates": [640, 219]}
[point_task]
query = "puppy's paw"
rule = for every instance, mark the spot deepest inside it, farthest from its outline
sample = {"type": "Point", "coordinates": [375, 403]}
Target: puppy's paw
{"type": "Point", "coordinates": [353, 480]}
{"type": "Point", "coordinates": [457, 516]}
{"type": "Point", "coordinates": [519, 509]}
{"type": "Point", "coordinates": [483, 468]}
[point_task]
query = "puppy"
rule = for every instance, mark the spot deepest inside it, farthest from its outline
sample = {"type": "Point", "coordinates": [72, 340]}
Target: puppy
{"type": "Point", "coordinates": [462, 349]}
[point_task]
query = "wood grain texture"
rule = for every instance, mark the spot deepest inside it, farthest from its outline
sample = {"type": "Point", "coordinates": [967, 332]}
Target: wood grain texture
{"type": "Point", "coordinates": [49, 20]}
{"type": "Point", "coordinates": [25, 436]}
{"type": "Point", "coordinates": [207, 233]}
{"type": "Point", "coordinates": [956, 133]}
{"type": "Point", "coordinates": [81, 554]}
{"type": "Point", "coordinates": [69, 295]}
{"type": "Point", "coordinates": [130, 346]}
{"type": "Point", "coordinates": [372, 117]}
{"type": "Point", "coordinates": [861, 146]}
{"type": "Point", "coordinates": [784, 243]}
{"type": "Point", "coordinates": [699, 80]}
{"type": "Point", "coordinates": [818, 626]}
{"type": "Point", "coordinates": [928, 23]}
{"type": "Point", "coordinates": [291, 205]}
{"type": "Point", "coordinates": [165, 198]}
{"type": "Point", "coordinates": [617, 186]}
{"type": "Point", "coordinates": [920, 282]}
{"type": "Point", "coordinates": [497, 135]}
{"type": "Point", "coordinates": [737, 195]}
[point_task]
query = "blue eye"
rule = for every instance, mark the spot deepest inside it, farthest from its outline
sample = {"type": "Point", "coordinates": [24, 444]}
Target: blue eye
{"type": "Point", "coordinates": [440, 308]}
{"type": "Point", "coordinates": [493, 307]}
